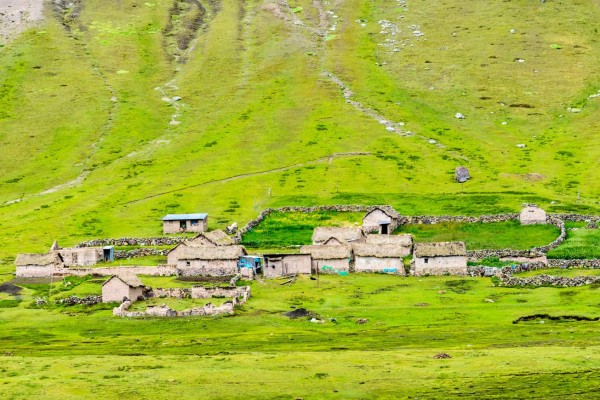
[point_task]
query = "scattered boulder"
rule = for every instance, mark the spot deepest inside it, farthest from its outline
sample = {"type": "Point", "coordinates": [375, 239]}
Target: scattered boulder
{"type": "Point", "coordinates": [461, 174]}
{"type": "Point", "coordinates": [231, 229]}
{"type": "Point", "coordinates": [521, 146]}
{"type": "Point", "coordinates": [459, 116]}
{"type": "Point", "coordinates": [440, 356]}
{"type": "Point", "coordinates": [489, 301]}
{"type": "Point", "coordinates": [362, 321]}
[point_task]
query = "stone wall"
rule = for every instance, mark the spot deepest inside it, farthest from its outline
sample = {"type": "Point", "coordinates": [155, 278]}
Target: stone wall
{"type": "Point", "coordinates": [133, 241]}
{"type": "Point", "coordinates": [508, 279]}
{"type": "Point", "coordinates": [578, 263]}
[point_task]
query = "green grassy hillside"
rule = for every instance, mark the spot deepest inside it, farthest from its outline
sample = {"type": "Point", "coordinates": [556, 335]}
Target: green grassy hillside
{"type": "Point", "coordinates": [282, 105]}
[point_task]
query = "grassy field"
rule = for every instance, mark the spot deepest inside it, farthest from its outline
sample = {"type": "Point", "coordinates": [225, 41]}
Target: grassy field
{"type": "Point", "coordinates": [259, 125]}
{"type": "Point", "coordinates": [498, 235]}
{"type": "Point", "coordinates": [580, 243]}
{"type": "Point", "coordinates": [71, 352]}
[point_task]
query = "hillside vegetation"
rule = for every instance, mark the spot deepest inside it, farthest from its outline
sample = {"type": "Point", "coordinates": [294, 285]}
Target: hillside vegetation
{"type": "Point", "coordinates": [115, 113]}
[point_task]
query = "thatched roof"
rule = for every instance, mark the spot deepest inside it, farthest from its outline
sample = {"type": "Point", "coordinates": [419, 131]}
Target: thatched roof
{"type": "Point", "coordinates": [322, 233]}
{"type": "Point", "coordinates": [387, 210]}
{"type": "Point", "coordinates": [379, 251]}
{"type": "Point", "coordinates": [440, 249]}
{"type": "Point", "coordinates": [27, 259]}
{"type": "Point", "coordinates": [320, 252]}
{"type": "Point", "coordinates": [391, 240]}
{"type": "Point", "coordinates": [217, 237]}
{"type": "Point", "coordinates": [211, 252]}
{"type": "Point", "coordinates": [131, 280]}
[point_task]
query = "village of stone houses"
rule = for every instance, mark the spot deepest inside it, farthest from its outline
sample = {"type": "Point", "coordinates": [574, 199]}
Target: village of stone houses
{"type": "Point", "coordinates": [299, 199]}
{"type": "Point", "coordinates": [372, 247]}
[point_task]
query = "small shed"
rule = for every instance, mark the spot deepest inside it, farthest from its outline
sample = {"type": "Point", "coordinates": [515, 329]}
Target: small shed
{"type": "Point", "coordinates": [323, 234]}
{"type": "Point", "coordinates": [209, 260]}
{"type": "Point", "coordinates": [179, 223]}
{"type": "Point", "coordinates": [383, 220]}
{"type": "Point", "coordinates": [379, 258]}
{"type": "Point", "coordinates": [329, 258]}
{"type": "Point", "coordinates": [119, 287]}
{"type": "Point", "coordinates": [108, 253]}
{"type": "Point", "coordinates": [440, 258]}
{"type": "Point", "coordinates": [532, 214]}
{"type": "Point", "coordinates": [286, 264]}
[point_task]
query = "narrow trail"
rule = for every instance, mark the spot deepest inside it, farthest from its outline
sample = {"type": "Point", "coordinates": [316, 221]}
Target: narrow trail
{"type": "Point", "coordinates": [328, 159]}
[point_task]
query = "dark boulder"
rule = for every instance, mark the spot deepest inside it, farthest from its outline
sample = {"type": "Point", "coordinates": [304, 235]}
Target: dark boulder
{"type": "Point", "coordinates": [461, 174]}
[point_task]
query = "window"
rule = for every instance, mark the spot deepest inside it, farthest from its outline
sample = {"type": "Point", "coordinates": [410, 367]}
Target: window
{"type": "Point", "coordinates": [187, 263]}
{"type": "Point", "coordinates": [427, 261]}
{"type": "Point", "coordinates": [194, 222]}
{"type": "Point", "coordinates": [182, 225]}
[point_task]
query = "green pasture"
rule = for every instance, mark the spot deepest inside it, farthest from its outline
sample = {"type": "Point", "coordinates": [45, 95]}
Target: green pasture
{"type": "Point", "coordinates": [580, 243]}
{"type": "Point", "coordinates": [92, 148]}
{"type": "Point", "coordinates": [79, 352]}
{"type": "Point", "coordinates": [477, 236]}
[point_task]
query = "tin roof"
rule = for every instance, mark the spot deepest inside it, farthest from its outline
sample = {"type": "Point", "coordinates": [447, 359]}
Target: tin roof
{"type": "Point", "coordinates": [184, 217]}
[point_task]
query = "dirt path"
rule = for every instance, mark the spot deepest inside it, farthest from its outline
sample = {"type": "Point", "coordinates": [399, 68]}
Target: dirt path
{"type": "Point", "coordinates": [327, 159]}
{"type": "Point", "coordinates": [17, 16]}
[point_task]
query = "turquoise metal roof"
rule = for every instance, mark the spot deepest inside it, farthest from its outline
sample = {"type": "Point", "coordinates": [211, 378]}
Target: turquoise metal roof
{"type": "Point", "coordinates": [184, 217]}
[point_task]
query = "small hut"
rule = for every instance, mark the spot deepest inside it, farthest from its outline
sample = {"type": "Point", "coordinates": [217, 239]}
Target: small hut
{"type": "Point", "coordinates": [440, 258]}
{"type": "Point", "coordinates": [379, 258]}
{"type": "Point", "coordinates": [321, 235]}
{"type": "Point", "coordinates": [37, 265]}
{"type": "Point", "coordinates": [286, 264]}
{"type": "Point", "coordinates": [179, 223]}
{"type": "Point", "coordinates": [383, 220]}
{"type": "Point", "coordinates": [209, 260]}
{"type": "Point", "coordinates": [532, 214]}
{"type": "Point", "coordinates": [329, 258]}
{"type": "Point", "coordinates": [120, 287]}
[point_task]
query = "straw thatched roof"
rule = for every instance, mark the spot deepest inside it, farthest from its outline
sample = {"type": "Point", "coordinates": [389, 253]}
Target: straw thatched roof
{"type": "Point", "coordinates": [391, 240]}
{"type": "Point", "coordinates": [28, 259]}
{"type": "Point", "coordinates": [211, 252]}
{"type": "Point", "coordinates": [387, 210]}
{"type": "Point", "coordinates": [320, 252]}
{"type": "Point", "coordinates": [216, 237]}
{"type": "Point", "coordinates": [322, 233]}
{"type": "Point", "coordinates": [440, 249]}
{"type": "Point", "coordinates": [379, 251]}
{"type": "Point", "coordinates": [131, 280]}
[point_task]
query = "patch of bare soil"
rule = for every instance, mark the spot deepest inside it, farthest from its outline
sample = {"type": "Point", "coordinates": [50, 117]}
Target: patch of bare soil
{"type": "Point", "coordinates": [17, 16]}
{"type": "Point", "coordinates": [300, 313]}
{"type": "Point", "coordinates": [10, 289]}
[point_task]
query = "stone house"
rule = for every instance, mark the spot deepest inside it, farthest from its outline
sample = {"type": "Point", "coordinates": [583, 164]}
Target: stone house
{"type": "Point", "coordinates": [211, 239]}
{"type": "Point", "coordinates": [440, 258]}
{"type": "Point", "coordinates": [209, 260]}
{"type": "Point", "coordinates": [37, 265]}
{"type": "Point", "coordinates": [379, 258]}
{"type": "Point", "coordinates": [343, 235]}
{"type": "Point", "coordinates": [532, 214]}
{"type": "Point", "coordinates": [178, 223]}
{"type": "Point", "coordinates": [119, 287]}
{"type": "Point", "coordinates": [286, 264]}
{"type": "Point", "coordinates": [81, 256]}
{"type": "Point", "coordinates": [382, 220]}
{"type": "Point", "coordinates": [329, 258]}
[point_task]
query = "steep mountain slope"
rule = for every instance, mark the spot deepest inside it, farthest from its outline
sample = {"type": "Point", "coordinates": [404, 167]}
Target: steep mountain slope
{"type": "Point", "coordinates": [115, 113]}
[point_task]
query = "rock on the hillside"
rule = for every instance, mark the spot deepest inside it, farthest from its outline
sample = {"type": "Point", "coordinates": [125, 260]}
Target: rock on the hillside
{"type": "Point", "coordinates": [461, 174]}
{"type": "Point", "coordinates": [459, 116]}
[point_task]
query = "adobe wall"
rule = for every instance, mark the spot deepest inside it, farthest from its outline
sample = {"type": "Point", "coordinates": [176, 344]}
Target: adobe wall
{"type": "Point", "coordinates": [371, 221]}
{"type": "Point", "coordinates": [331, 266]}
{"type": "Point", "coordinates": [34, 271]}
{"type": "Point", "coordinates": [454, 265]}
{"type": "Point", "coordinates": [207, 267]}
{"type": "Point", "coordinates": [376, 264]}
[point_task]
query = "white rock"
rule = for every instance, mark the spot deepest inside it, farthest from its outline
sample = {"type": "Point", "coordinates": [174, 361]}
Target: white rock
{"type": "Point", "coordinates": [521, 146]}
{"type": "Point", "coordinates": [431, 141]}
{"type": "Point", "coordinates": [390, 129]}
{"type": "Point", "coordinates": [459, 116]}
{"type": "Point", "coordinates": [504, 122]}
{"type": "Point", "coordinates": [383, 122]}
{"type": "Point", "coordinates": [512, 31]}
